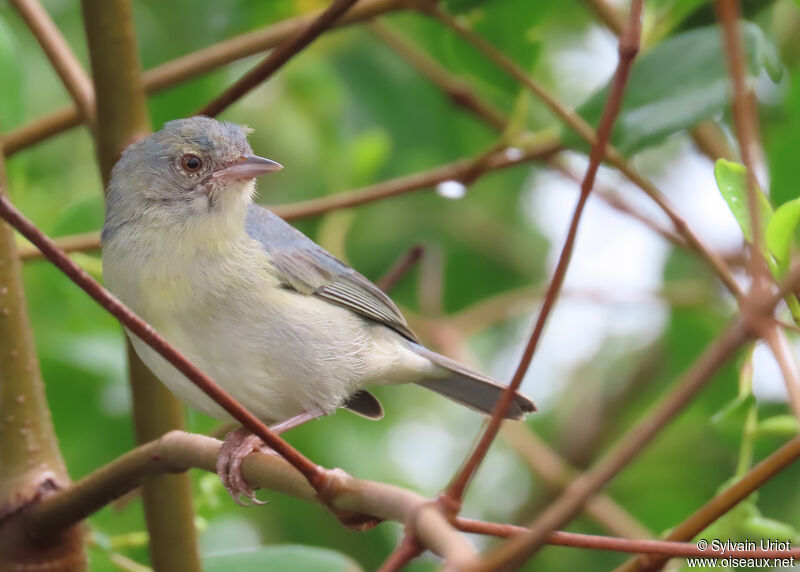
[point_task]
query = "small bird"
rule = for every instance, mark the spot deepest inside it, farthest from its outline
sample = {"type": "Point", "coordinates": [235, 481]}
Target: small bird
{"type": "Point", "coordinates": [288, 330]}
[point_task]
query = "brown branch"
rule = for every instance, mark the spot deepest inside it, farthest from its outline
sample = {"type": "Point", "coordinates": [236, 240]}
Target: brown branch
{"type": "Point", "coordinates": [408, 549]}
{"type": "Point", "coordinates": [31, 463]}
{"type": "Point", "coordinates": [628, 48]}
{"type": "Point", "coordinates": [449, 172]}
{"type": "Point", "coordinates": [582, 488]}
{"type": "Point", "coordinates": [399, 269]}
{"type": "Point", "coordinates": [707, 136]}
{"type": "Point", "coordinates": [594, 542]}
{"type": "Point", "coordinates": [722, 503]}
{"type": "Point", "coordinates": [456, 89]}
{"type": "Point", "coordinates": [312, 472]}
{"type": "Point", "coordinates": [276, 59]}
{"type": "Point", "coordinates": [60, 55]}
{"type": "Point", "coordinates": [744, 119]}
{"type": "Point", "coordinates": [197, 63]}
{"type": "Point", "coordinates": [587, 133]}
{"type": "Point", "coordinates": [178, 451]}
{"type": "Point", "coordinates": [787, 361]}
{"type": "Point", "coordinates": [73, 243]}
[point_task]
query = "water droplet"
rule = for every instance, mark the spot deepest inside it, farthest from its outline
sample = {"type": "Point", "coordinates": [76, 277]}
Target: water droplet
{"type": "Point", "coordinates": [20, 399]}
{"type": "Point", "coordinates": [513, 154]}
{"type": "Point", "coordinates": [5, 311]}
{"type": "Point", "coordinates": [3, 291]}
{"type": "Point", "coordinates": [13, 354]}
{"type": "Point", "coordinates": [451, 189]}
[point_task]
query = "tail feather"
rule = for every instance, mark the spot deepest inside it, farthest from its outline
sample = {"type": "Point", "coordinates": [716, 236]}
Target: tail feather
{"type": "Point", "coordinates": [471, 388]}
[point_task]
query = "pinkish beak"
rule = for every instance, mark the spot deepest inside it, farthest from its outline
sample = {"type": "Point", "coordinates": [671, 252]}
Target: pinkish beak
{"type": "Point", "coordinates": [248, 167]}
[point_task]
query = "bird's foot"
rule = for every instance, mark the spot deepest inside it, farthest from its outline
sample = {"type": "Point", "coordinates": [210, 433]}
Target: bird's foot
{"type": "Point", "coordinates": [238, 444]}
{"type": "Point", "coordinates": [241, 442]}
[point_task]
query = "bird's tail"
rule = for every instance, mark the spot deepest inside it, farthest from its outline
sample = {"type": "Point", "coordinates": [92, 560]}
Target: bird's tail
{"type": "Point", "coordinates": [469, 387]}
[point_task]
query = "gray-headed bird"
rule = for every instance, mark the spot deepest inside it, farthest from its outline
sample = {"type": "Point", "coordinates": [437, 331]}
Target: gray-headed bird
{"type": "Point", "coordinates": [288, 330]}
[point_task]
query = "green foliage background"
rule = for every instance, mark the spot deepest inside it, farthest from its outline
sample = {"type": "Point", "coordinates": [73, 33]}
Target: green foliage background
{"type": "Point", "coordinates": [346, 113]}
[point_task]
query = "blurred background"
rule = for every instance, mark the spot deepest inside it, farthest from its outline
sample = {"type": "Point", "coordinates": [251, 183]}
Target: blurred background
{"type": "Point", "coordinates": [348, 112]}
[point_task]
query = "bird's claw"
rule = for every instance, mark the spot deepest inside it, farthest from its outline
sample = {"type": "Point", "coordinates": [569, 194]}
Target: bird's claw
{"type": "Point", "coordinates": [238, 444]}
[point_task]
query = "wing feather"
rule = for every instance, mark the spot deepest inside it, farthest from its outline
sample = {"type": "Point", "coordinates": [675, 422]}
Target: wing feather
{"type": "Point", "coordinates": [308, 269]}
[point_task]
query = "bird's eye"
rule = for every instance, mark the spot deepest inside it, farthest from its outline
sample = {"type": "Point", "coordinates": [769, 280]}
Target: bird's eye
{"type": "Point", "coordinates": [191, 163]}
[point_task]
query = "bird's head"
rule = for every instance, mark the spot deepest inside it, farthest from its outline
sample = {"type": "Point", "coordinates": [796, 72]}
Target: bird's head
{"type": "Point", "coordinates": [189, 171]}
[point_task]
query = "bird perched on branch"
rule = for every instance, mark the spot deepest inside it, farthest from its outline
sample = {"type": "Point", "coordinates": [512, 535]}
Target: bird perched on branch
{"type": "Point", "coordinates": [288, 330]}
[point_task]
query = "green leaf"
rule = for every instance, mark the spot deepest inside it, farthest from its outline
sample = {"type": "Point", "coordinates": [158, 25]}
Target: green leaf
{"type": "Point", "coordinates": [780, 233]}
{"type": "Point", "coordinates": [674, 86]}
{"type": "Point", "coordinates": [289, 557]}
{"type": "Point", "coordinates": [778, 426]}
{"type": "Point", "coordinates": [761, 527]}
{"type": "Point", "coordinates": [732, 182]}
{"type": "Point", "coordinates": [734, 411]}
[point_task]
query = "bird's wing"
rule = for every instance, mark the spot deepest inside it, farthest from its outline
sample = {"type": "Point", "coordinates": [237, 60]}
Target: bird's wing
{"type": "Point", "coordinates": [304, 266]}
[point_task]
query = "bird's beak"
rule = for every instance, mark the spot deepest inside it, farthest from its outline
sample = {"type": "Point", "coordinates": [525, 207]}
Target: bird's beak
{"type": "Point", "coordinates": [247, 167]}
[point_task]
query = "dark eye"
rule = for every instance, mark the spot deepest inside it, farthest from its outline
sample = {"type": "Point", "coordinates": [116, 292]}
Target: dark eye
{"type": "Point", "coordinates": [191, 163]}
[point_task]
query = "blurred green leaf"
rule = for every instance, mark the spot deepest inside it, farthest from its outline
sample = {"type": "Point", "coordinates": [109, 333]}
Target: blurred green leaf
{"type": "Point", "coordinates": [732, 182]}
{"type": "Point", "coordinates": [778, 426]}
{"type": "Point", "coordinates": [761, 527]}
{"type": "Point", "coordinates": [369, 152]}
{"type": "Point", "coordinates": [674, 86]}
{"type": "Point", "coordinates": [734, 412]}
{"type": "Point", "coordinates": [779, 233]}
{"type": "Point", "coordinates": [507, 25]}
{"type": "Point", "coordinates": [294, 558]}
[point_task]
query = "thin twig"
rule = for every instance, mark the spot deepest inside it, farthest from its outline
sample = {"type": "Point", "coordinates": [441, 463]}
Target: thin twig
{"type": "Point", "coordinates": [721, 503]}
{"type": "Point", "coordinates": [744, 119]}
{"type": "Point", "coordinates": [787, 361]}
{"type": "Point", "coordinates": [628, 48]}
{"type": "Point", "coordinates": [707, 136]}
{"type": "Point", "coordinates": [449, 172]}
{"type": "Point", "coordinates": [459, 91]}
{"type": "Point", "coordinates": [399, 269]}
{"type": "Point", "coordinates": [586, 132]}
{"type": "Point", "coordinates": [408, 549]}
{"type": "Point", "coordinates": [73, 243]}
{"type": "Point", "coordinates": [67, 66]}
{"type": "Point", "coordinates": [314, 473]}
{"type": "Point", "coordinates": [197, 63]}
{"type": "Point", "coordinates": [276, 59]}
{"type": "Point", "coordinates": [594, 542]}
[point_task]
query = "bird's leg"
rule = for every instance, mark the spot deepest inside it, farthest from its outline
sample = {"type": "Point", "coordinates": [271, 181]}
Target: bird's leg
{"type": "Point", "coordinates": [241, 442]}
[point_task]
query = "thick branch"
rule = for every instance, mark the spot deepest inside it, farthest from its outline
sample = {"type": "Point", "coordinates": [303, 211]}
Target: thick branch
{"type": "Point", "coordinates": [121, 119]}
{"type": "Point", "coordinates": [178, 451]}
{"type": "Point", "coordinates": [273, 62]}
{"type": "Point", "coordinates": [60, 55]}
{"type": "Point", "coordinates": [30, 461]}
{"type": "Point", "coordinates": [628, 48]}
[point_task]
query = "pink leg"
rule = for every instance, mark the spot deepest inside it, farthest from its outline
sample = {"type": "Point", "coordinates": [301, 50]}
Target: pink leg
{"type": "Point", "coordinates": [241, 442]}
